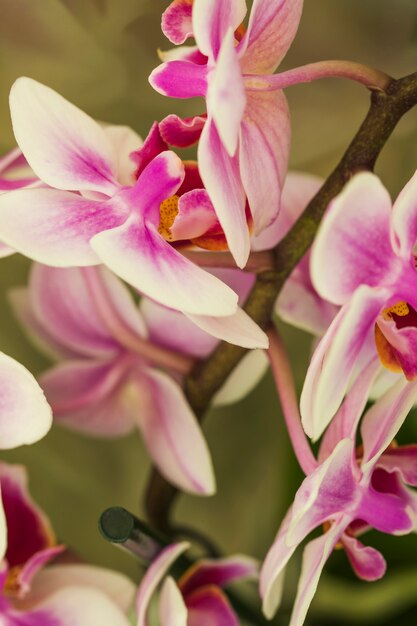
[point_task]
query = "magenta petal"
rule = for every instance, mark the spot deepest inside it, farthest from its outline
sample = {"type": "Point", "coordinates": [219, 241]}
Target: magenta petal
{"type": "Point", "coordinates": [195, 217]}
{"type": "Point", "coordinates": [180, 79]}
{"type": "Point", "coordinates": [65, 147]}
{"type": "Point", "coordinates": [172, 434]}
{"type": "Point", "coordinates": [142, 258]}
{"type": "Point", "coordinates": [153, 145]}
{"type": "Point", "coordinates": [264, 150]}
{"type": "Point", "coordinates": [272, 28]}
{"type": "Point", "coordinates": [367, 563]}
{"type": "Point", "coordinates": [340, 261]}
{"type": "Point", "coordinates": [403, 342]}
{"type": "Point", "coordinates": [221, 176]}
{"type": "Point", "coordinates": [55, 227]}
{"type": "Point", "coordinates": [386, 512]}
{"type": "Point", "coordinates": [211, 21]}
{"type": "Point", "coordinates": [218, 572]}
{"type": "Point", "coordinates": [176, 21]}
{"type": "Point", "coordinates": [404, 219]}
{"type": "Point", "coordinates": [25, 416]}
{"type": "Point", "coordinates": [208, 605]}
{"type": "Point", "coordinates": [182, 132]}
{"type": "Point", "coordinates": [91, 396]}
{"type": "Point", "coordinates": [402, 459]}
{"type": "Point", "coordinates": [33, 565]}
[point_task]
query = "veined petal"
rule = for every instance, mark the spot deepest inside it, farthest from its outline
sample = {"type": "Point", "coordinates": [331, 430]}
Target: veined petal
{"type": "Point", "coordinates": [182, 132]}
{"type": "Point", "coordinates": [172, 434]}
{"type": "Point", "coordinates": [226, 98]}
{"type": "Point", "coordinates": [221, 176]}
{"type": "Point", "coordinates": [271, 30]}
{"type": "Point", "coordinates": [92, 397]}
{"type": "Point", "coordinates": [244, 378]}
{"type": "Point", "coordinates": [315, 556]}
{"type": "Point", "coordinates": [114, 585]}
{"type": "Point", "coordinates": [367, 563]}
{"type": "Point", "coordinates": [25, 415]}
{"type": "Point", "coordinates": [211, 21]}
{"type": "Point", "coordinates": [63, 145]}
{"type": "Point", "coordinates": [404, 220]}
{"type": "Point", "coordinates": [218, 572]}
{"type": "Point", "coordinates": [140, 256]}
{"type": "Point", "coordinates": [153, 577]}
{"type": "Point", "coordinates": [180, 79]}
{"type": "Point", "coordinates": [209, 605]}
{"type": "Point", "coordinates": [337, 353]}
{"type": "Point", "coordinates": [177, 24]}
{"type": "Point", "coordinates": [384, 419]}
{"type": "Point", "coordinates": [55, 227]}
{"type": "Point", "coordinates": [238, 329]}
{"type": "Point", "coordinates": [340, 261]}
{"type": "Point", "coordinates": [263, 154]}
{"type": "Point", "coordinates": [172, 609]}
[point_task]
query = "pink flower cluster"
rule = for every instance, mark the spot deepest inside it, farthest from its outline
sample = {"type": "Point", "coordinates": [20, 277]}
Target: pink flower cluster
{"type": "Point", "coordinates": [141, 268]}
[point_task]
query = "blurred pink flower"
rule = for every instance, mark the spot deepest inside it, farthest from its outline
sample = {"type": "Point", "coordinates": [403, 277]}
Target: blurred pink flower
{"type": "Point", "coordinates": [56, 595]}
{"type": "Point", "coordinates": [197, 598]}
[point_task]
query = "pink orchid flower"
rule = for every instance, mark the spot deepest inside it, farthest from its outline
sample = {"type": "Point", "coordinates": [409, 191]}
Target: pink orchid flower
{"type": "Point", "coordinates": [244, 144]}
{"type": "Point", "coordinates": [363, 261]}
{"type": "Point", "coordinates": [88, 216]}
{"type": "Point", "coordinates": [55, 595]}
{"type": "Point", "coordinates": [25, 415]}
{"type": "Point", "coordinates": [347, 491]}
{"type": "Point", "coordinates": [197, 598]}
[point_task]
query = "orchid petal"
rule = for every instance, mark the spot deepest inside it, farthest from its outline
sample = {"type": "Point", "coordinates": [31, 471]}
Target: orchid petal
{"type": "Point", "coordinates": [402, 345]}
{"type": "Point", "coordinates": [65, 147]}
{"type": "Point", "coordinates": [177, 24]}
{"type": "Point", "coordinates": [315, 557]}
{"type": "Point", "coordinates": [153, 577]}
{"type": "Point", "coordinates": [221, 177]}
{"type": "Point", "coordinates": [263, 154]}
{"type": "Point", "coordinates": [325, 493]}
{"type": "Point", "coordinates": [338, 352]}
{"type": "Point", "coordinates": [367, 563]}
{"type": "Point", "coordinates": [340, 261]}
{"type": "Point", "coordinates": [172, 609]}
{"type": "Point", "coordinates": [244, 379]}
{"type": "Point", "coordinates": [182, 132]}
{"type": "Point", "coordinates": [195, 217]}
{"type": "Point", "coordinates": [153, 145]}
{"type": "Point", "coordinates": [404, 219]}
{"type": "Point", "coordinates": [180, 79]}
{"type": "Point", "coordinates": [91, 396]}
{"type": "Point", "coordinates": [55, 227]}
{"type": "Point", "coordinates": [32, 566]}
{"type": "Point", "coordinates": [183, 53]}
{"type": "Point", "coordinates": [238, 329]}
{"type": "Point", "coordinates": [25, 416]}
{"type": "Point", "coordinates": [142, 258]}
{"type": "Point", "coordinates": [5, 250]}
{"type": "Point", "coordinates": [209, 605]}
{"type": "Point", "coordinates": [124, 141]}
{"type": "Point", "coordinates": [211, 21]}
{"type": "Point", "coordinates": [384, 419]}
{"type": "Point", "coordinates": [386, 512]}
{"type": "Point", "coordinates": [172, 434]}
{"type": "Point", "coordinates": [226, 98]}
{"type": "Point", "coordinates": [217, 572]}
{"type": "Point", "coordinates": [3, 531]}
{"type": "Point", "coordinates": [271, 30]}
{"type": "Point", "coordinates": [402, 459]}
{"type": "Point", "coordinates": [175, 331]}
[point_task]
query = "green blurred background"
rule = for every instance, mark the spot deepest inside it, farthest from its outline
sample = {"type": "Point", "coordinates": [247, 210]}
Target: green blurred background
{"type": "Point", "coordinates": [98, 53]}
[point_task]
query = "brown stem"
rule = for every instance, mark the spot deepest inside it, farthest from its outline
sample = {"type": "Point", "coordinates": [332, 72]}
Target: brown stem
{"type": "Point", "coordinates": [206, 378]}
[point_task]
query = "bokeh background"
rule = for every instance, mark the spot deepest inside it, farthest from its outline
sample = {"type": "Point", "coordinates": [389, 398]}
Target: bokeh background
{"type": "Point", "coordinates": [98, 53]}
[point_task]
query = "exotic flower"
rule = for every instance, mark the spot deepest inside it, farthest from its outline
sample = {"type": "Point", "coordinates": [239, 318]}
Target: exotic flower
{"type": "Point", "coordinates": [374, 279]}
{"type": "Point", "coordinates": [347, 491]}
{"type": "Point", "coordinates": [197, 598]}
{"type": "Point", "coordinates": [90, 216]}
{"type": "Point", "coordinates": [244, 144]}
{"type": "Point", "coordinates": [55, 595]}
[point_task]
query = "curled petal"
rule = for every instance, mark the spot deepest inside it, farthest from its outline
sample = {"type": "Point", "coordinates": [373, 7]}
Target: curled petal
{"type": "Point", "coordinates": [55, 227]}
{"type": "Point", "coordinates": [142, 258]}
{"type": "Point", "coordinates": [402, 459]}
{"type": "Point", "coordinates": [368, 563]}
{"type": "Point", "coordinates": [153, 577]}
{"type": "Point", "coordinates": [180, 79]}
{"type": "Point", "coordinates": [217, 572]}
{"type": "Point", "coordinates": [196, 216]}
{"type": "Point", "coordinates": [340, 261]}
{"type": "Point", "coordinates": [65, 147]}
{"type": "Point", "coordinates": [172, 434]}
{"type": "Point", "coordinates": [25, 415]}
{"type": "Point", "coordinates": [271, 30]}
{"type": "Point", "coordinates": [209, 605]}
{"type": "Point", "coordinates": [182, 132]}
{"type": "Point", "coordinates": [177, 24]}
{"type": "Point", "coordinates": [153, 145]}
{"type": "Point", "coordinates": [386, 512]}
